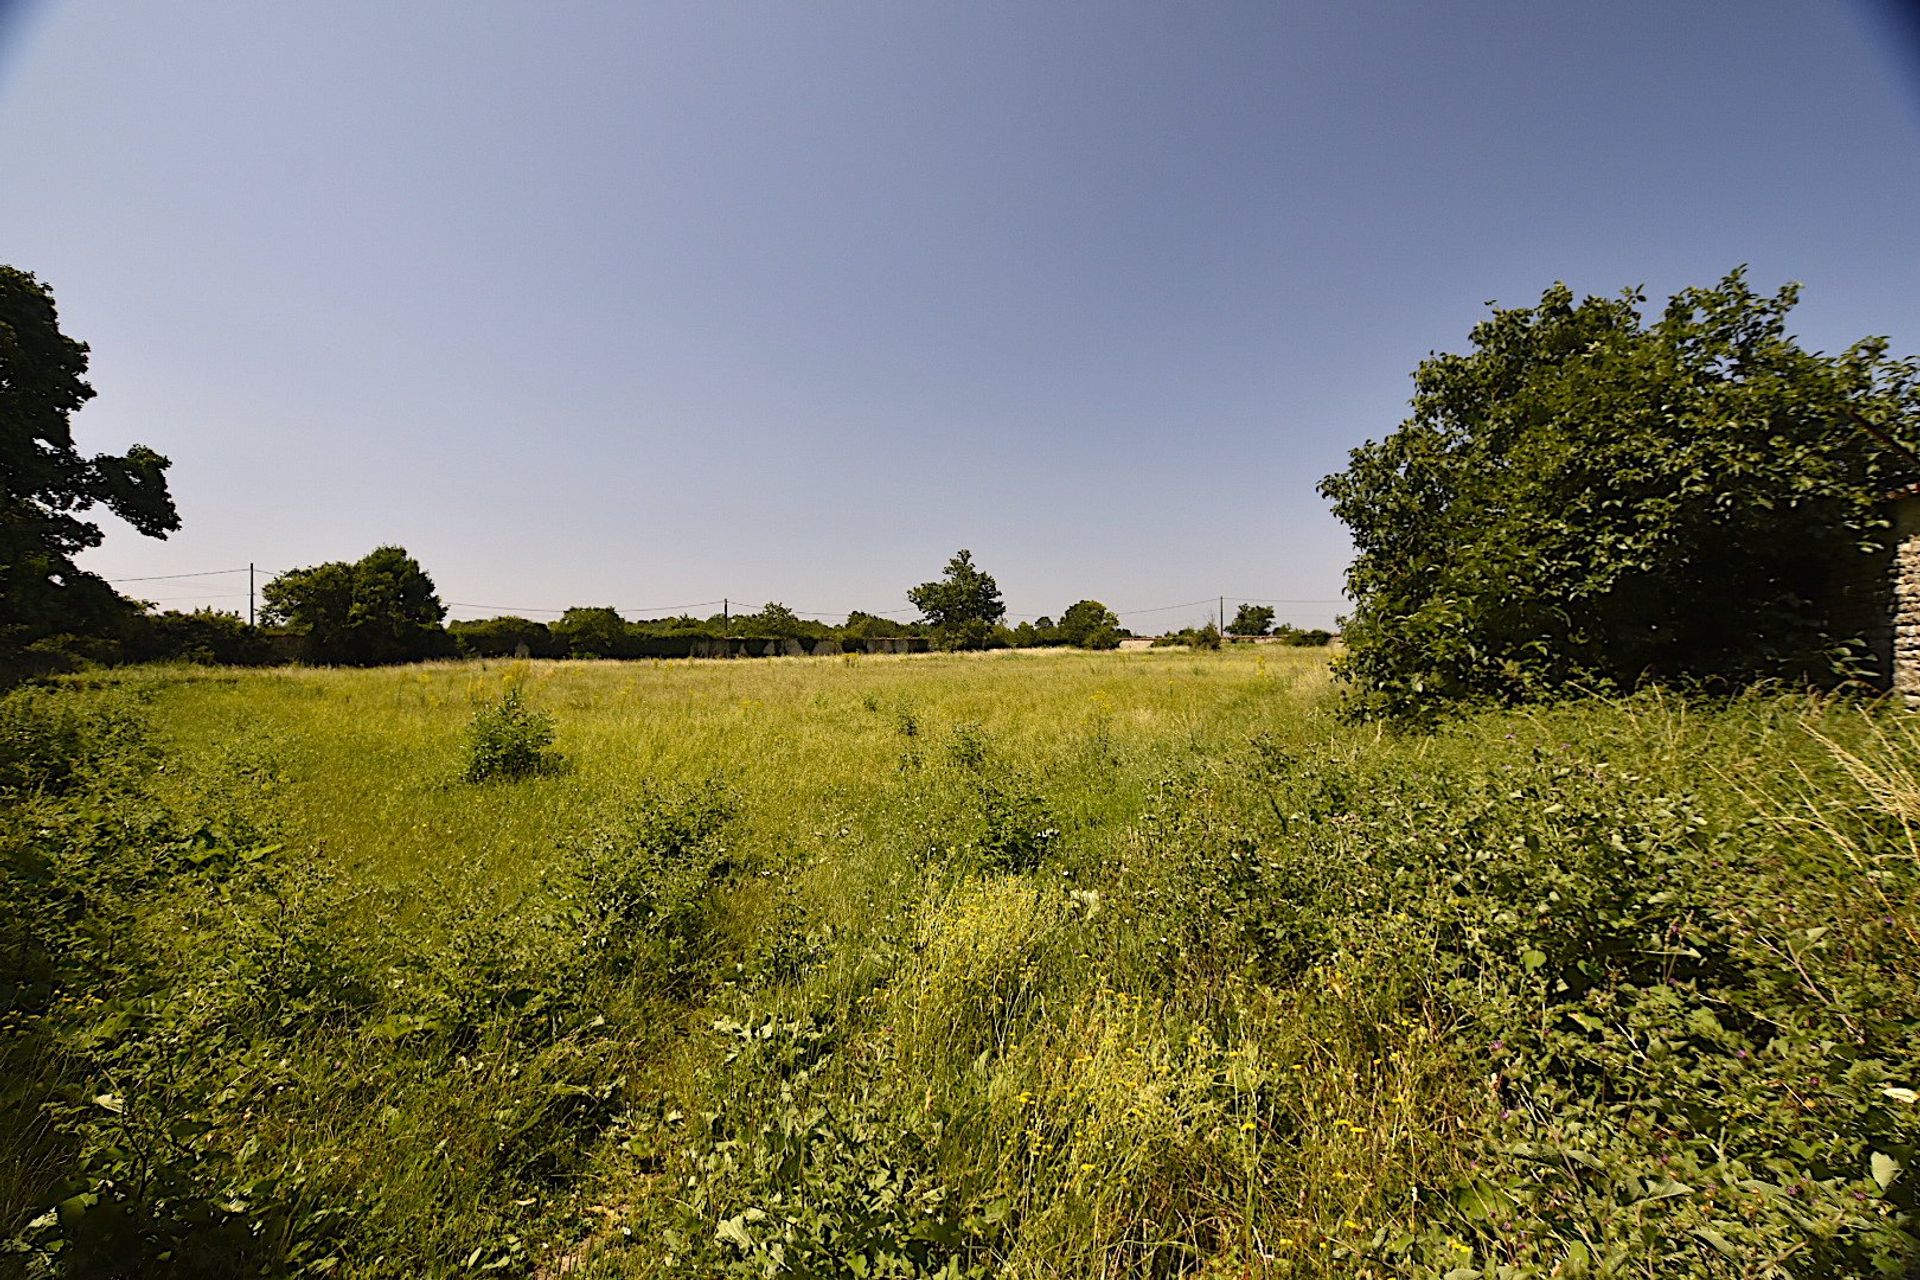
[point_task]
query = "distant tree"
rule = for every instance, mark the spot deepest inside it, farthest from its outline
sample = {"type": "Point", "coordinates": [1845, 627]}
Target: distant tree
{"type": "Point", "coordinates": [207, 636]}
{"type": "Point", "coordinates": [1090, 625]}
{"type": "Point", "coordinates": [679, 625]}
{"type": "Point", "coordinates": [502, 637]}
{"type": "Point", "coordinates": [380, 608]}
{"type": "Point", "coordinates": [1251, 620]}
{"type": "Point", "coordinates": [1588, 501]}
{"type": "Point", "coordinates": [592, 633]}
{"type": "Point", "coordinates": [961, 606]}
{"type": "Point", "coordinates": [47, 484]}
{"type": "Point", "coordinates": [774, 621]}
{"type": "Point", "coordinates": [861, 625]}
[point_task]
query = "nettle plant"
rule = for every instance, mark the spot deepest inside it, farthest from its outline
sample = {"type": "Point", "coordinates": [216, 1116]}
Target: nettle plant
{"type": "Point", "coordinates": [509, 739]}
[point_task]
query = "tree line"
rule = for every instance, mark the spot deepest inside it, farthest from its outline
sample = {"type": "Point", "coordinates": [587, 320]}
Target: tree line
{"type": "Point", "coordinates": [56, 616]}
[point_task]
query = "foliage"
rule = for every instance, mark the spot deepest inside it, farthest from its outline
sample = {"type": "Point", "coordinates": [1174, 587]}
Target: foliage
{"type": "Point", "coordinates": [508, 740]}
{"type": "Point", "coordinates": [641, 893]}
{"type": "Point", "coordinates": [592, 633]}
{"type": "Point", "coordinates": [1304, 637]}
{"type": "Point", "coordinates": [381, 608]}
{"type": "Point", "coordinates": [1587, 500]}
{"type": "Point", "coordinates": [961, 606]}
{"type": "Point", "coordinates": [209, 637]}
{"type": "Point", "coordinates": [1090, 625]}
{"type": "Point", "coordinates": [1155, 967]}
{"type": "Point", "coordinates": [1202, 637]}
{"type": "Point", "coordinates": [1251, 620]}
{"type": "Point", "coordinates": [47, 485]}
{"type": "Point", "coordinates": [861, 626]}
{"type": "Point", "coordinates": [776, 621]}
{"type": "Point", "coordinates": [502, 637]}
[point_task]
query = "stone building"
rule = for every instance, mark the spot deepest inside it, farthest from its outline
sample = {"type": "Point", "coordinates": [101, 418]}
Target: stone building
{"type": "Point", "coordinates": [1877, 598]}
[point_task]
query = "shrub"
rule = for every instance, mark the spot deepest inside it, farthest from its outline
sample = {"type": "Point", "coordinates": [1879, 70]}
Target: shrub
{"type": "Point", "coordinates": [1589, 501]}
{"type": "Point", "coordinates": [509, 740]}
{"type": "Point", "coordinates": [49, 739]}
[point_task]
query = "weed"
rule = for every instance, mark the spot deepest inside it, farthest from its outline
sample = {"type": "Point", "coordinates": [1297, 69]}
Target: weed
{"type": "Point", "coordinates": [508, 740]}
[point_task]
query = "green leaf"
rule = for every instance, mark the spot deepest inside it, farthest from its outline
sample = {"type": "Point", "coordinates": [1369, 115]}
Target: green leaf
{"type": "Point", "coordinates": [733, 1231]}
{"type": "Point", "coordinates": [1664, 1189]}
{"type": "Point", "coordinates": [1719, 1242]}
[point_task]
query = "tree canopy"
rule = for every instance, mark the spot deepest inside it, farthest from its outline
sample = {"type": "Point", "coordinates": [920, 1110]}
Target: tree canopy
{"type": "Point", "coordinates": [47, 485]}
{"type": "Point", "coordinates": [380, 608]}
{"type": "Point", "coordinates": [1089, 624]}
{"type": "Point", "coordinates": [593, 632]}
{"type": "Point", "coordinates": [962, 605]}
{"type": "Point", "coordinates": [1587, 500]}
{"type": "Point", "coordinates": [1251, 620]}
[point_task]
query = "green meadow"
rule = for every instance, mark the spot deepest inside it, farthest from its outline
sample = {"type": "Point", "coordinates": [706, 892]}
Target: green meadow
{"type": "Point", "coordinates": [1010, 964]}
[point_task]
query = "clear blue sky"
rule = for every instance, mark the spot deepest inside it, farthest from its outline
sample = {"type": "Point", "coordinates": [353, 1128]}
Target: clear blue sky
{"type": "Point", "coordinates": [642, 305]}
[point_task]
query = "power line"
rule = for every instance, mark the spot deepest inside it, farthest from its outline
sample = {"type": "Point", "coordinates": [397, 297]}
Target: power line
{"type": "Point", "coordinates": [231, 595]}
{"type": "Point", "coordinates": [166, 577]}
{"type": "Point", "coordinates": [1162, 608]}
{"type": "Point", "coordinates": [1273, 600]}
{"type": "Point", "coordinates": [503, 608]}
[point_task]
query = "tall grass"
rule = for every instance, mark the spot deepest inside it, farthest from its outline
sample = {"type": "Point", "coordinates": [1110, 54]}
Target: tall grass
{"type": "Point", "coordinates": [1138, 964]}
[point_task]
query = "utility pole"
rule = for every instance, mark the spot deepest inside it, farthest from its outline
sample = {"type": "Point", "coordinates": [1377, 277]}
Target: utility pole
{"type": "Point", "coordinates": [1223, 615]}
{"type": "Point", "coordinates": [726, 617]}
{"type": "Point", "coordinates": [249, 593]}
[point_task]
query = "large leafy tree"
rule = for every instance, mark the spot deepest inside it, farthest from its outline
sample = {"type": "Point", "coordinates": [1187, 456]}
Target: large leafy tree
{"type": "Point", "coordinates": [593, 632]}
{"type": "Point", "coordinates": [1251, 620]}
{"type": "Point", "coordinates": [1089, 624]}
{"type": "Point", "coordinates": [962, 605]}
{"type": "Point", "coordinates": [380, 608]}
{"type": "Point", "coordinates": [47, 486]}
{"type": "Point", "coordinates": [1589, 500]}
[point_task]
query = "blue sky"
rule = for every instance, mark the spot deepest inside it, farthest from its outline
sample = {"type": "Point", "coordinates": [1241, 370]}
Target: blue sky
{"type": "Point", "coordinates": [647, 305]}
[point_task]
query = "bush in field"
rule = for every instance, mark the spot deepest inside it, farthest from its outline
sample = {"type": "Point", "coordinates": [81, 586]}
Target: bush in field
{"type": "Point", "coordinates": [1589, 501]}
{"type": "Point", "coordinates": [1207, 637]}
{"type": "Point", "coordinates": [1308, 638]}
{"type": "Point", "coordinates": [49, 742]}
{"type": "Point", "coordinates": [642, 890]}
{"type": "Point", "coordinates": [508, 739]}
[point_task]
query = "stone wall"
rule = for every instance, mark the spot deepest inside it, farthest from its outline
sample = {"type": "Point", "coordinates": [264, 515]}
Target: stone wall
{"type": "Point", "coordinates": [1904, 605]}
{"type": "Point", "coordinates": [1874, 598]}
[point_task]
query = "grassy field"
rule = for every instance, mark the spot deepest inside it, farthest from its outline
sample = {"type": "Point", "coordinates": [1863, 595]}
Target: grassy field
{"type": "Point", "coordinates": [1026, 964]}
